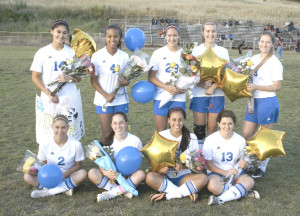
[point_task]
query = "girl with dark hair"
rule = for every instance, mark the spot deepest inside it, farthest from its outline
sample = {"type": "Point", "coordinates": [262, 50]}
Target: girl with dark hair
{"type": "Point", "coordinates": [109, 62]}
{"type": "Point", "coordinates": [117, 139]}
{"type": "Point", "coordinates": [47, 65]}
{"type": "Point", "coordinates": [65, 152]}
{"type": "Point", "coordinates": [223, 150]}
{"type": "Point", "coordinates": [185, 183]}
{"type": "Point", "coordinates": [267, 77]}
{"type": "Point", "coordinates": [165, 61]}
{"type": "Point", "coordinates": [208, 99]}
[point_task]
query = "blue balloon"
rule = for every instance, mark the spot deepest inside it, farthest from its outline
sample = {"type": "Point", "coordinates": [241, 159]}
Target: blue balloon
{"type": "Point", "coordinates": [143, 91]}
{"type": "Point", "coordinates": [134, 38]}
{"type": "Point", "coordinates": [128, 160]}
{"type": "Point", "coordinates": [50, 175]}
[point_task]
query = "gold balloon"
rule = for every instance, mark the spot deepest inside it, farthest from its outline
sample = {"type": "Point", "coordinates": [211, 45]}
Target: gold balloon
{"type": "Point", "coordinates": [211, 66]}
{"type": "Point", "coordinates": [82, 43]}
{"type": "Point", "coordinates": [267, 143]}
{"type": "Point", "coordinates": [234, 85]}
{"type": "Point", "coordinates": [160, 152]}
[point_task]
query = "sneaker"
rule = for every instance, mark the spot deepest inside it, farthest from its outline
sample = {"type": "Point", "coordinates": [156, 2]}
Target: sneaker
{"type": "Point", "coordinates": [107, 195]}
{"type": "Point", "coordinates": [157, 197]}
{"type": "Point", "coordinates": [194, 197]}
{"type": "Point", "coordinates": [258, 174]}
{"type": "Point", "coordinates": [39, 193]}
{"type": "Point", "coordinates": [69, 192]}
{"type": "Point", "coordinates": [253, 194]}
{"type": "Point", "coordinates": [128, 195]}
{"type": "Point", "coordinates": [213, 200]}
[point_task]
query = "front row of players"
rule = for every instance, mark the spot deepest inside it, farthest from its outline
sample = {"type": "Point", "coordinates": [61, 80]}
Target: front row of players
{"type": "Point", "coordinates": [223, 150]}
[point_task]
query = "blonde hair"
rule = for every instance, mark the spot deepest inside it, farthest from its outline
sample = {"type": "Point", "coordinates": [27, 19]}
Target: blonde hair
{"type": "Point", "coordinates": [61, 117]}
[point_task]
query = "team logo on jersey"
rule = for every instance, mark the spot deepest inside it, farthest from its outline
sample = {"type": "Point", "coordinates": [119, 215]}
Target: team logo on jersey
{"type": "Point", "coordinates": [218, 147]}
{"type": "Point", "coordinates": [164, 58]}
{"type": "Point", "coordinates": [49, 57]}
{"type": "Point", "coordinates": [103, 61]}
{"type": "Point", "coordinates": [52, 153]}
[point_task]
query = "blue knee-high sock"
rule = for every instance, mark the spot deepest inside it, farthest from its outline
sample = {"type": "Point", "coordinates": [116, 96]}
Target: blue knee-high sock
{"type": "Point", "coordinates": [235, 192]}
{"type": "Point", "coordinates": [130, 182]}
{"type": "Point", "coordinates": [105, 184]}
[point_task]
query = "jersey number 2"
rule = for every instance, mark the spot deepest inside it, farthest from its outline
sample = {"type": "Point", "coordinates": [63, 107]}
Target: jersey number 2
{"type": "Point", "coordinates": [227, 157]}
{"type": "Point", "coordinates": [61, 161]}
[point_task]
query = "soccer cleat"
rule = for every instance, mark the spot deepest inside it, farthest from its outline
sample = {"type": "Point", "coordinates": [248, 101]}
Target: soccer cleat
{"type": "Point", "coordinates": [157, 197]}
{"type": "Point", "coordinates": [258, 173]}
{"type": "Point", "coordinates": [70, 192]}
{"type": "Point", "coordinates": [39, 193]}
{"type": "Point", "coordinates": [213, 200]}
{"type": "Point", "coordinates": [107, 195]}
{"type": "Point", "coordinates": [253, 194]}
{"type": "Point", "coordinates": [194, 197]}
{"type": "Point", "coordinates": [128, 195]}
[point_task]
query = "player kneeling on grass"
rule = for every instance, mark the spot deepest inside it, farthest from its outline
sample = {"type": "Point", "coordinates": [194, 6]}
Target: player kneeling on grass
{"type": "Point", "coordinates": [223, 150]}
{"type": "Point", "coordinates": [118, 139]}
{"type": "Point", "coordinates": [65, 152]}
{"type": "Point", "coordinates": [168, 182]}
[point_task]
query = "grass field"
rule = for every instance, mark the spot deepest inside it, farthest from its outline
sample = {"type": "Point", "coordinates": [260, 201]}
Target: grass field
{"type": "Point", "coordinates": [279, 189]}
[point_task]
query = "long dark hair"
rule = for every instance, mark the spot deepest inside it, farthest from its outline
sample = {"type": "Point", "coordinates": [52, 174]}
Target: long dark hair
{"type": "Point", "coordinates": [185, 140]}
{"type": "Point", "coordinates": [108, 140]}
{"type": "Point", "coordinates": [118, 29]}
{"type": "Point", "coordinates": [228, 114]}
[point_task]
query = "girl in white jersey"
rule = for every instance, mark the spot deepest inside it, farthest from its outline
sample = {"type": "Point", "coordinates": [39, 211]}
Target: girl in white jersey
{"type": "Point", "coordinates": [47, 62]}
{"type": "Point", "coordinates": [223, 150]}
{"type": "Point", "coordinates": [266, 81]}
{"type": "Point", "coordinates": [184, 183]}
{"type": "Point", "coordinates": [117, 139]}
{"type": "Point", "coordinates": [65, 152]}
{"type": "Point", "coordinates": [108, 62]}
{"type": "Point", "coordinates": [208, 99]}
{"type": "Point", "coordinates": [164, 61]}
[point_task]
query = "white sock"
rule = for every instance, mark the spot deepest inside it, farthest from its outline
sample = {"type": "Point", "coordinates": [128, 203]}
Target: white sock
{"type": "Point", "coordinates": [117, 190]}
{"type": "Point", "coordinates": [184, 190]}
{"type": "Point", "coordinates": [226, 188]}
{"type": "Point", "coordinates": [106, 184]}
{"type": "Point", "coordinates": [235, 192]}
{"type": "Point", "coordinates": [167, 186]}
{"type": "Point", "coordinates": [263, 164]}
{"type": "Point", "coordinates": [66, 185]}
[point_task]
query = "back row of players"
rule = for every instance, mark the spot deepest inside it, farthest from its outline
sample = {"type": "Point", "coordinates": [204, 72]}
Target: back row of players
{"type": "Point", "coordinates": [207, 101]}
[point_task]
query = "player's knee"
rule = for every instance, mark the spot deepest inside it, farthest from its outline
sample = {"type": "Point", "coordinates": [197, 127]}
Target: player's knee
{"type": "Point", "coordinates": [199, 131]}
{"type": "Point", "coordinates": [141, 175]}
{"type": "Point", "coordinates": [150, 178]}
{"type": "Point", "coordinates": [92, 173]}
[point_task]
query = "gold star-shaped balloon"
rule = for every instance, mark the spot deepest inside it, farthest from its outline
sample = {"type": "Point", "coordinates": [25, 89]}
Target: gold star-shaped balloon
{"type": "Point", "coordinates": [267, 143]}
{"type": "Point", "coordinates": [160, 152]}
{"type": "Point", "coordinates": [211, 66]}
{"type": "Point", "coordinates": [234, 85]}
{"type": "Point", "coordinates": [82, 43]}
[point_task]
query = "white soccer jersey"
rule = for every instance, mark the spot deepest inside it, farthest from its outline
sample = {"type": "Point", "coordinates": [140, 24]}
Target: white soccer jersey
{"type": "Point", "coordinates": [272, 70]}
{"type": "Point", "coordinates": [108, 77]}
{"type": "Point", "coordinates": [222, 53]}
{"type": "Point", "coordinates": [130, 140]}
{"type": "Point", "coordinates": [193, 145]}
{"type": "Point", "coordinates": [161, 60]}
{"type": "Point", "coordinates": [48, 61]}
{"type": "Point", "coordinates": [224, 153]}
{"type": "Point", "coordinates": [64, 157]}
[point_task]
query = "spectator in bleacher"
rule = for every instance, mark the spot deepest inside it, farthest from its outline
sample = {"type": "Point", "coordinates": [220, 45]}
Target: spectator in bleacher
{"type": "Point", "coordinates": [230, 22]}
{"type": "Point", "coordinates": [230, 37]}
{"type": "Point", "coordinates": [267, 77]}
{"type": "Point", "coordinates": [240, 47]}
{"type": "Point", "coordinates": [279, 48]}
{"type": "Point", "coordinates": [277, 30]}
{"type": "Point", "coordinates": [291, 27]}
{"type": "Point", "coordinates": [298, 46]}
{"type": "Point", "coordinates": [153, 21]}
{"type": "Point", "coordinates": [164, 61]}
{"type": "Point", "coordinates": [208, 99]}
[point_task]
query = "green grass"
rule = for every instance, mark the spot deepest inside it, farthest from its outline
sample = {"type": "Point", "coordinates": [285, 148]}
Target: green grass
{"type": "Point", "coordinates": [279, 189]}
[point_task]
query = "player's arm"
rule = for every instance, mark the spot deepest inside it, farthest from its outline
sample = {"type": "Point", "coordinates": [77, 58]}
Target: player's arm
{"type": "Point", "coordinates": [97, 86]}
{"type": "Point", "coordinates": [218, 170]}
{"type": "Point", "coordinates": [111, 174]}
{"type": "Point", "coordinates": [75, 168]}
{"type": "Point", "coordinates": [38, 82]}
{"type": "Point", "coordinates": [152, 78]}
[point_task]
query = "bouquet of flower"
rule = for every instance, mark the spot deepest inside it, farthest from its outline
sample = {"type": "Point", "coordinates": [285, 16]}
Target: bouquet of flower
{"type": "Point", "coordinates": [137, 65]}
{"type": "Point", "coordinates": [30, 164]}
{"type": "Point", "coordinates": [249, 157]}
{"type": "Point", "coordinates": [79, 67]}
{"type": "Point", "coordinates": [194, 160]}
{"type": "Point", "coordinates": [98, 154]}
{"type": "Point", "coordinates": [188, 75]}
